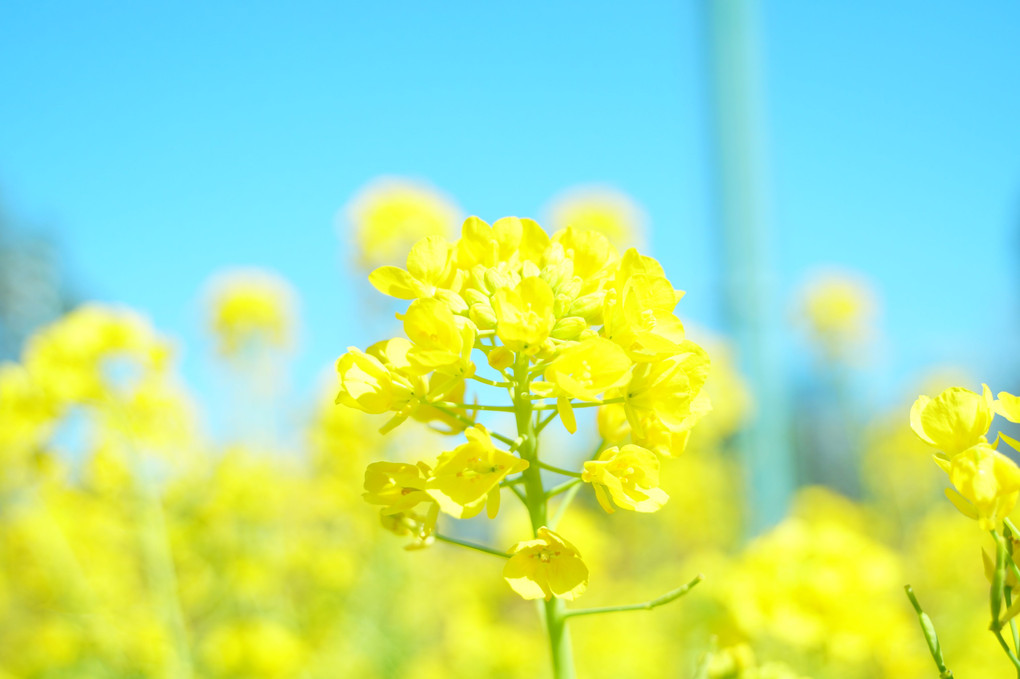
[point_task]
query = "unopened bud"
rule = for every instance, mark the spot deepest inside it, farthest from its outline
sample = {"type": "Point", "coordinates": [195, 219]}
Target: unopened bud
{"type": "Point", "coordinates": [494, 280]}
{"type": "Point", "coordinates": [588, 307]}
{"type": "Point", "coordinates": [452, 299]}
{"type": "Point", "coordinates": [568, 328]}
{"type": "Point", "coordinates": [500, 358]}
{"type": "Point", "coordinates": [483, 316]}
{"type": "Point", "coordinates": [475, 296]}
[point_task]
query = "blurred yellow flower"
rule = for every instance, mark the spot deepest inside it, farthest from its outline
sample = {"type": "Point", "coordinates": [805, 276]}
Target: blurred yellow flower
{"type": "Point", "coordinates": [600, 208]}
{"type": "Point", "coordinates": [250, 307]}
{"type": "Point", "coordinates": [390, 214]}
{"type": "Point", "coordinates": [839, 310]}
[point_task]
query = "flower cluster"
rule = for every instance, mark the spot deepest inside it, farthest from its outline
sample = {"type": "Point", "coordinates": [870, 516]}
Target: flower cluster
{"type": "Point", "coordinates": [956, 423]}
{"type": "Point", "coordinates": [562, 322]}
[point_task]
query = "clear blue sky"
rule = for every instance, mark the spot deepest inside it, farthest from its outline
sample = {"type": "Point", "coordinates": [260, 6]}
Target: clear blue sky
{"type": "Point", "coordinates": [159, 142]}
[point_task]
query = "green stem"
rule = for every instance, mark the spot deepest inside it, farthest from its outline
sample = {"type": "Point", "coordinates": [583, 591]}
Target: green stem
{"type": "Point", "coordinates": [162, 574]}
{"type": "Point", "coordinates": [1012, 621]}
{"type": "Point", "coordinates": [545, 423]}
{"type": "Point", "coordinates": [559, 470]}
{"type": "Point", "coordinates": [575, 486]}
{"type": "Point", "coordinates": [643, 606]}
{"type": "Point", "coordinates": [444, 408]}
{"type": "Point", "coordinates": [491, 383]}
{"type": "Point", "coordinates": [928, 629]}
{"type": "Point", "coordinates": [1009, 652]}
{"type": "Point", "coordinates": [997, 594]}
{"type": "Point", "coordinates": [582, 404]}
{"type": "Point", "coordinates": [470, 545]}
{"type": "Point", "coordinates": [536, 501]}
{"type": "Point", "coordinates": [520, 494]}
{"type": "Point", "coordinates": [565, 486]}
{"type": "Point", "coordinates": [476, 406]}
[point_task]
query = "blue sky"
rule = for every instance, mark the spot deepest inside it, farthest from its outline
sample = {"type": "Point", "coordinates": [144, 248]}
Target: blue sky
{"type": "Point", "coordinates": [159, 143]}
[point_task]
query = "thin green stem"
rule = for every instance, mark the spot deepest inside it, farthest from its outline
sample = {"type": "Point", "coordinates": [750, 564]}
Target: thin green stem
{"type": "Point", "coordinates": [1012, 528]}
{"type": "Point", "coordinates": [520, 494]}
{"type": "Point", "coordinates": [582, 404]}
{"type": "Point", "coordinates": [928, 629]}
{"type": "Point", "coordinates": [537, 503]}
{"type": "Point", "coordinates": [476, 406]}
{"type": "Point", "coordinates": [561, 509]}
{"type": "Point", "coordinates": [1012, 621]}
{"type": "Point", "coordinates": [558, 470]}
{"type": "Point", "coordinates": [159, 565]}
{"type": "Point", "coordinates": [998, 594]}
{"type": "Point", "coordinates": [470, 545]}
{"type": "Point", "coordinates": [470, 423]}
{"type": "Point", "coordinates": [643, 606]}
{"type": "Point", "coordinates": [491, 383]}
{"type": "Point", "coordinates": [511, 482]}
{"type": "Point", "coordinates": [1009, 651]}
{"type": "Point", "coordinates": [545, 423]}
{"type": "Point", "coordinates": [563, 487]}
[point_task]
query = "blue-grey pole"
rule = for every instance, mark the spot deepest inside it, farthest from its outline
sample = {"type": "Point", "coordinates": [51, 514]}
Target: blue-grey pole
{"type": "Point", "coordinates": [748, 275]}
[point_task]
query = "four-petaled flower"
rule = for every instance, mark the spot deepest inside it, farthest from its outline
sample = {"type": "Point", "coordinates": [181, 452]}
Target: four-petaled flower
{"type": "Point", "coordinates": [546, 567]}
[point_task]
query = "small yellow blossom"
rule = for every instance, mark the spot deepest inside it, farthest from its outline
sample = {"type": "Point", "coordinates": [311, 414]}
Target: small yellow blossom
{"type": "Point", "coordinates": [1008, 405]}
{"type": "Point", "coordinates": [373, 385]}
{"type": "Point", "coordinates": [587, 369]}
{"type": "Point", "coordinates": [838, 309]}
{"type": "Point", "coordinates": [665, 391]}
{"type": "Point", "coordinates": [630, 475]}
{"type": "Point", "coordinates": [524, 315]}
{"type": "Point", "coordinates": [397, 486]}
{"type": "Point", "coordinates": [987, 483]}
{"type": "Point", "coordinates": [511, 240]}
{"type": "Point", "coordinates": [546, 567]}
{"type": "Point", "coordinates": [953, 421]}
{"type": "Point", "coordinates": [442, 342]}
{"type": "Point", "coordinates": [467, 478]}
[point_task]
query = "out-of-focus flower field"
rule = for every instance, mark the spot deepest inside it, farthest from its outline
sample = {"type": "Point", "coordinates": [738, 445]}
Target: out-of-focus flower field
{"type": "Point", "coordinates": [135, 543]}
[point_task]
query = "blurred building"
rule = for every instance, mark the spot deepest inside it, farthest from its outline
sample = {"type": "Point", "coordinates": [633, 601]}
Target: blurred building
{"type": "Point", "coordinates": [32, 288]}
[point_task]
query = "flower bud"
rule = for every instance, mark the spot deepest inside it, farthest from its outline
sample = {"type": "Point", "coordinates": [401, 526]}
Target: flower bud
{"type": "Point", "coordinates": [500, 358]}
{"type": "Point", "coordinates": [453, 300]}
{"type": "Point", "coordinates": [587, 306]}
{"type": "Point", "coordinates": [483, 316]}
{"type": "Point", "coordinates": [568, 328]}
{"type": "Point", "coordinates": [475, 296]}
{"type": "Point", "coordinates": [494, 280]}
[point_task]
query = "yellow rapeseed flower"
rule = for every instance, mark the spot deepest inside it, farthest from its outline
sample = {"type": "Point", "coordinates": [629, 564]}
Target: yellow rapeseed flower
{"type": "Point", "coordinates": [629, 475]}
{"type": "Point", "coordinates": [524, 315]}
{"type": "Point", "coordinates": [546, 567]}
{"type": "Point", "coordinates": [587, 369]}
{"type": "Point", "coordinates": [987, 484]}
{"type": "Point", "coordinates": [467, 478]}
{"type": "Point", "coordinates": [370, 382]}
{"type": "Point", "coordinates": [953, 421]}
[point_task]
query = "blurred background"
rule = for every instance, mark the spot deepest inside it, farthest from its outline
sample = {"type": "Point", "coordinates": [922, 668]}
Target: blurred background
{"type": "Point", "coordinates": [837, 190]}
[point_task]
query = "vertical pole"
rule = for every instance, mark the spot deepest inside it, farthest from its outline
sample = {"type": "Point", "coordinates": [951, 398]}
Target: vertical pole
{"type": "Point", "coordinates": [748, 277]}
